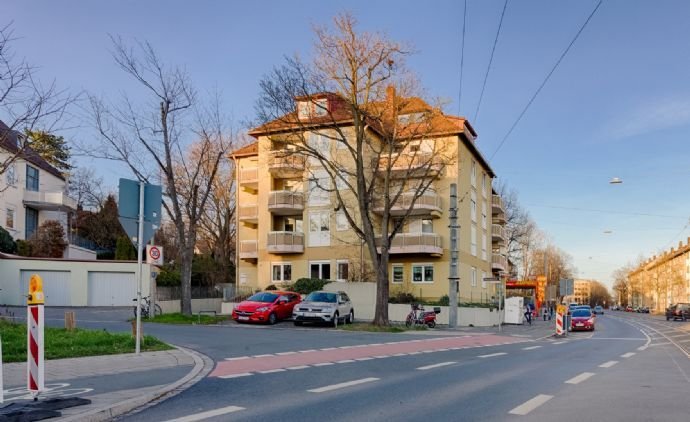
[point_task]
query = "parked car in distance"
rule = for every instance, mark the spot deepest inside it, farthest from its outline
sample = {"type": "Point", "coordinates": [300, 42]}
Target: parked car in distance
{"type": "Point", "coordinates": [644, 310]}
{"type": "Point", "coordinates": [267, 307]}
{"type": "Point", "coordinates": [629, 308]}
{"type": "Point", "coordinates": [582, 319]}
{"type": "Point", "coordinates": [678, 311]}
{"type": "Point", "coordinates": [598, 310]}
{"type": "Point", "coordinates": [324, 307]}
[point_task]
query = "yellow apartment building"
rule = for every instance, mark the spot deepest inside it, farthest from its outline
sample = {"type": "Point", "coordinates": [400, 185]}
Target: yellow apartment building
{"type": "Point", "coordinates": [289, 228]}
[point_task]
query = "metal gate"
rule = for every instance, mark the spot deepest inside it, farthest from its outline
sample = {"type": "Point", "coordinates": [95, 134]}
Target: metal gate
{"type": "Point", "coordinates": [56, 287]}
{"type": "Point", "coordinates": [111, 288]}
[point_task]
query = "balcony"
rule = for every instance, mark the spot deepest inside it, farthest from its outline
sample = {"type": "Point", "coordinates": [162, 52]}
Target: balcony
{"type": "Point", "coordinates": [285, 242]}
{"type": "Point", "coordinates": [249, 177]}
{"type": "Point", "coordinates": [248, 213]}
{"type": "Point", "coordinates": [415, 243]}
{"type": "Point", "coordinates": [428, 203]}
{"type": "Point", "coordinates": [49, 201]}
{"type": "Point", "coordinates": [498, 234]}
{"type": "Point", "coordinates": [285, 202]}
{"type": "Point", "coordinates": [405, 165]}
{"type": "Point", "coordinates": [282, 163]}
{"type": "Point", "coordinates": [499, 262]}
{"type": "Point", "coordinates": [249, 249]}
{"type": "Point", "coordinates": [497, 205]}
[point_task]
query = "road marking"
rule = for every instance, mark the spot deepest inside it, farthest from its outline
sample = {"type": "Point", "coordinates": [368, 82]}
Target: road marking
{"type": "Point", "coordinates": [642, 348]}
{"type": "Point", "coordinates": [264, 356]}
{"type": "Point", "coordinates": [659, 344]}
{"type": "Point", "coordinates": [292, 368]}
{"type": "Point", "coordinates": [492, 355]}
{"type": "Point", "coordinates": [307, 351]}
{"type": "Point", "coordinates": [286, 353]}
{"type": "Point", "coordinates": [324, 364]}
{"type": "Point", "coordinates": [436, 365]}
{"type": "Point", "coordinates": [608, 364]}
{"type": "Point", "coordinates": [531, 348]}
{"type": "Point", "coordinates": [363, 359]}
{"type": "Point", "coordinates": [272, 371]}
{"type": "Point", "coordinates": [559, 342]}
{"type": "Point", "coordinates": [209, 414]}
{"type": "Point", "coordinates": [382, 356]}
{"type": "Point", "coordinates": [345, 361]}
{"type": "Point", "coordinates": [530, 405]}
{"type": "Point", "coordinates": [342, 385]}
{"type": "Point", "coordinates": [415, 353]}
{"type": "Point", "coordinates": [238, 358]}
{"type": "Point", "coordinates": [243, 374]}
{"type": "Point", "coordinates": [400, 354]}
{"type": "Point", "coordinates": [627, 355]}
{"type": "Point", "coordinates": [582, 377]}
{"type": "Point", "coordinates": [325, 349]}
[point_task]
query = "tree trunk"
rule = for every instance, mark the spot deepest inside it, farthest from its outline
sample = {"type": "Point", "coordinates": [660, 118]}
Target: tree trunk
{"type": "Point", "coordinates": [381, 313]}
{"type": "Point", "coordinates": [186, 256]}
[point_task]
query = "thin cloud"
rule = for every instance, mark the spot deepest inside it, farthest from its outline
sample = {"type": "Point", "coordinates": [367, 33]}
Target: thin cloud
{"type": "Point", "coordinates": [650, 117]}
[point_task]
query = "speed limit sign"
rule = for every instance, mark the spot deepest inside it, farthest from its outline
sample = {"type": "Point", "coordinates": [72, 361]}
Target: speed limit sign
{"type": "Point", "coordinates": [154, 255]}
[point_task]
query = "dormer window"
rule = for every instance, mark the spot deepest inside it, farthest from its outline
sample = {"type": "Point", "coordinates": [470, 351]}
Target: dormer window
{"type": "Point", "coordinates": [303, 109]}
{"type": "Point", "coordinates": [314, 108]}
{"type": "Point", "coordinates": [320, 107]}
{"type": "Point", "coordinates": [411, 118]}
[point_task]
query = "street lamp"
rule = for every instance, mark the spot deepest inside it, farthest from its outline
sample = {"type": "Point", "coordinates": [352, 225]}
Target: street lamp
{"type": "Point", "coordinates": [616, 181]}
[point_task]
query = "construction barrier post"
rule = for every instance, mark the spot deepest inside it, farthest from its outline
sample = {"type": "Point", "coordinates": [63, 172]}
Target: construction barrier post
{"type": "Point", "coordinates": [34, 322]}
{"type": "Point", "coordinates": [2, 388]}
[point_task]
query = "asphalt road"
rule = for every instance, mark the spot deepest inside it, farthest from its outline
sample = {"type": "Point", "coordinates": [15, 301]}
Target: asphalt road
{"type": "Point", "coordinates": [631, 368]}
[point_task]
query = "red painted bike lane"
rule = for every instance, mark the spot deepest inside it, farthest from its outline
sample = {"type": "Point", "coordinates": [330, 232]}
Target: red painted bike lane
{"type": "Point", "coordinates": [287, 360]}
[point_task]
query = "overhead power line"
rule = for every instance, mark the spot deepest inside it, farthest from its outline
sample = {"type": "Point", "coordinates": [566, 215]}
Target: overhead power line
{"type": "Point", "coordinates": [491, 59]}
{"type": "Point", "coordinates": [548, 76]}
{"type": "Point", "coordinates": [462, 55]}
{"type": "Point", "coordinates": [637, 214]}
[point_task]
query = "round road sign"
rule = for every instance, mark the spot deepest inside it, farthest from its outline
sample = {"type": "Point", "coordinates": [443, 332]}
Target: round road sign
{"type": "Point", "coordinates": [154, 253]}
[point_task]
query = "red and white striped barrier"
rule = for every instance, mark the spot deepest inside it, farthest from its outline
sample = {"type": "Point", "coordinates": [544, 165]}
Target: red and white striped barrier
{"type": "Point", "coordinates": [34, 364]}
{"type": "Point", "coordinates": [560, 330]}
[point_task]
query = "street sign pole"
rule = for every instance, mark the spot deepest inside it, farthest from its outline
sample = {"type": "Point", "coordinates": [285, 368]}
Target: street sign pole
{"type": "Point", "coordinates": [453, 278]}
{"type": "Point", "coordinates": [140, 247]}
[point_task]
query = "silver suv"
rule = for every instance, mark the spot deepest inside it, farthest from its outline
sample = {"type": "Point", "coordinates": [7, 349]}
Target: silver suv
{"type": "Point", "coordinates": [321, 306]}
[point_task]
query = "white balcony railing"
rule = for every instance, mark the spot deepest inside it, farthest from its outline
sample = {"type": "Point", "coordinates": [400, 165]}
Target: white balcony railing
{"type": "Point", "coordinates": [50, 201]}
{"type": "Point", "coordinates": [284, 202]}
{"type": "Point", "coordinates": [249, 249]}
{"type": "Point", "coordinates": [427, 203]}
{"type": "Point", "coordinates": [499, 262]}
{"type": "Point", "coordinates": [498, 233]}
{"type": "Point", "coordinates": [285, 163]}
{"type": "Point", "coordinates": [249, 176]}
{"type": "Point", "coordinates": [424, 243]}
{"type": "Point", "coordinates": [285, 242]}
{"type": "Point", "coordinates": [248, 213]}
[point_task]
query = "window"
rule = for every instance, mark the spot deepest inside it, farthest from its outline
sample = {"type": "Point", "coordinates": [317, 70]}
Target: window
{"type": "Point", "coordinates": [31, 178]}
{"type": "Point", "coordinates": [320, 269]}
{"type": "Point", "coordinates": [484, 246]}
{"type": "Point", "coordinates": [423, 273]}
{"type": "Point", "coordinates": [11, 175]}
{"type": "Point", "coordinates": [342, 270]}
{"type": "Point", "coordinates": [290, 224]}
{"type": "Point", "coordinates": [398, 274]}
{"type": "Point", "coordinates": [484, 184]}
{"type": "Point", "coordinates": [303, 109]}
{"type": "Point", "coordinates": [320, 107]}
{"type": "Point", "coordinates": [319, 229]}
{"type": "Point", "coordinates": [341, 182]}
{"type": "Point", "coordinates": [473, 206]}
{"type": "Point", "coordinates": [483, 282]}
{"type": "Point", "coordinates": [281, 272]}
{"type": "Point", "coordinates": [473, 174]}
{"type": "Point", "coordinates": [422, 225]}
{"type": "Point", "coordinates": [321, 144]}
{"type": "Point", "coordinates": [473, 243]}
{"type": "Point", "coordinates": [30, 222]}
{"type": "Point", "coordinates": [473, 277]}
{"type": "Point", "coordinates": [9, 220]}
{"type": "Point", "coordinates": [318, 189]}
{"type": "Point", "coordinates": [484, 214]}
{"type": "Point", "coordinates": [427, 226]}
{"type": "Point", "coordinates": [341, 223]}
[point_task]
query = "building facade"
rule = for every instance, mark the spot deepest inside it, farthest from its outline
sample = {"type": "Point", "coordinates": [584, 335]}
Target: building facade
{"type": "Point", "coordinates": [289, 226]}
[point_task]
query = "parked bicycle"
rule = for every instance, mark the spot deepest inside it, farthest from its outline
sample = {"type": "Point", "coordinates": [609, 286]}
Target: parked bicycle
{"type": "Point", "coordinates": [146, 308]}
{"type": "Point", "coordinates": [418, 316]}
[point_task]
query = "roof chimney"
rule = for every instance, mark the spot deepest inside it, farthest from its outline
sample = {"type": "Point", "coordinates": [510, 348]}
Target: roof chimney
{"type": "Point", "coordinates": [390, 93]}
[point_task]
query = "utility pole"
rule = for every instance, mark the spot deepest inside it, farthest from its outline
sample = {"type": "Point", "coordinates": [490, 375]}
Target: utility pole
{"type": "Point", "coordinates": [453, 279]}
{"type": "Point", "coordinates": [140, 248]}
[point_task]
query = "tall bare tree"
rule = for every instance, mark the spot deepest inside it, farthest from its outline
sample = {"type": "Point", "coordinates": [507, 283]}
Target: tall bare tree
{"type": "Point", "coordinates": [170, 136]}
{"type": "Point", "coordinates": [521, 231]}
{"type": "Point", "coordinates": [25, 103]}
{"type": "Point", "coordinates": [621, 284]}
{"type": "Point", "coordinates": [371, 145]}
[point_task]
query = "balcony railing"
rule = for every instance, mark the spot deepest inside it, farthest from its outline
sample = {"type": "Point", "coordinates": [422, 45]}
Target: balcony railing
{"type": "Point", "coordinates": [49, 201]}
{"type": "Point", "coordinates": [249, 177]}
{"type": "Point", "coordinates": [498, 234]}
{"type": "Point", "coordinates": [249, 213]}
{"type": "Point", "coordinates": [409, 165]}
{"type": "Point", "coordinates": [285, 202]}
{"type": "Point", "coordinates": [499, 262]}
{"type": "Point", "coordinates": [285, 242]}
{"type": "Point", "coordinates": [422, 243]}
{"type": "Point", "coordinates": [249, 249]}
{"type": "Point", "coordinates": [284, 163]}
{"type": "Point", "coordinates": [428, 203]}
{"type": "Point", "coordinates": [497, 205]}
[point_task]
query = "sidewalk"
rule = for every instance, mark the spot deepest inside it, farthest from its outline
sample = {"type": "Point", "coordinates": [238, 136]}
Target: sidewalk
{"type": "Point", "coordinates": [115, 384]}
{"type": "Point", "coordinates": [538, 330]}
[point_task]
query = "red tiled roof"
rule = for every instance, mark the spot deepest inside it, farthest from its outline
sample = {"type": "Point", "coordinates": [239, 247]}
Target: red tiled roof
{"type": "Point", "coordinates": [247, 150]}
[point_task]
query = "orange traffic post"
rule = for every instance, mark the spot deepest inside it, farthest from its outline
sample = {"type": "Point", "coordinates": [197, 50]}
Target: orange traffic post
{"type": "Point", "coordinates": [34, 321]}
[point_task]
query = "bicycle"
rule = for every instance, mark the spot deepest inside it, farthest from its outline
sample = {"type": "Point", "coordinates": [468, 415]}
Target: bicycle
{"type": "Point", "coordinates": [146, 308]}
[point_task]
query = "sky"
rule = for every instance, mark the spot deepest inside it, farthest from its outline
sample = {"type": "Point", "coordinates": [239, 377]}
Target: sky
{"type": "Point", "coordinates": [617, 106]}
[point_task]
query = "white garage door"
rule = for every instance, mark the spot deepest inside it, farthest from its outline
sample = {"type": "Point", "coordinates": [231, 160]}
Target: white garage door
{"type": "Point", "coordinates": [111, 289]}
{"type": "Point", "coordinates": [56, 287]}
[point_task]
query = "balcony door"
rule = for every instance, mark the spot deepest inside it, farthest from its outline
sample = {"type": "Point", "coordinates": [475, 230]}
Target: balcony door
{"type": "Point", "coordinates": [30, 222]}
{"type": "Point", "coordinates": [319, 228]}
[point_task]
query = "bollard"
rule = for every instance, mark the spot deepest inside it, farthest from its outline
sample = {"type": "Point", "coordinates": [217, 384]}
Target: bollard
{"type": "Point", "coordinates": [70, 321]}
{"type": "Point", "coordinates": [34, 322]}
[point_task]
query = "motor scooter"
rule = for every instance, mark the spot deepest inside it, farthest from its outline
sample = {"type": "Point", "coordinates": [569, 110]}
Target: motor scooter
{"type": "Point", "coordinates": [418, 316]}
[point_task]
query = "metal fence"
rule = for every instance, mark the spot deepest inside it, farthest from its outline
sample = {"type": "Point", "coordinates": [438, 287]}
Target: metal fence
{"type": "Point", "coordinates": [198, 292]}
{"type": "Point", "coordinates": [234, 293]}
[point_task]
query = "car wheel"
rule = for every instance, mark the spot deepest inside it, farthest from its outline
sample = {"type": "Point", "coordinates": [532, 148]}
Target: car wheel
{"type": "Point", "coordinates": [272, 318]}
{"type": "Point", "coordinates": [668, 318]}
{"type": "Point", "coordinates": [298, 323]}
{"type": "Point", "coordinates": [350, 318]}
{"type": "Point", "coordinates": [335, 320]}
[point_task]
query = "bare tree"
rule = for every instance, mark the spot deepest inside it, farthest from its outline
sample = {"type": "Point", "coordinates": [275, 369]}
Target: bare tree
{"type": "Point", "coordinates": [358, 97]}
{"type": "Point", "coordinates": [25, 102]}
{"type": "Point", "coordinates": [621, 284]}
{"type": "Point", "coordinates": [521, 231]}
{"type": "Point", "coordinates": [87, 189]}
{"type": "Point", "coordinates": [153, 139]}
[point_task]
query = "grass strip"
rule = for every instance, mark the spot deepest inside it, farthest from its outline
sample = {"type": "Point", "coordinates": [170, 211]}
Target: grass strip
{"type": "Point", "coordinates": [393, 328]}
{"type": "Point", "coordinates": [178, 318]}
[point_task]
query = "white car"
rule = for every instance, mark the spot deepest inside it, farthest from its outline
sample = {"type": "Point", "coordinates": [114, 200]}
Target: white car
{"type": "Point", "coordinates": [321, 306]}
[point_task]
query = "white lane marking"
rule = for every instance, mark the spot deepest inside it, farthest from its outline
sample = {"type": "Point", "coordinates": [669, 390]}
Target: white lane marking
{"type": "Point", "coordinates": [414, 353]}
{"type": "Point", "coordinates": [559, 342]}
{"type": "Point", "coordinates": [325, 349]}
{"type": "Point", "coordinates": [238, 358]}
{"type": "Point", "coordinates": [619, 338]}
{"type": "Point", "coordinates": [382, 356]}
{"type": "Point", "coordinates": [530, 405]}
{"type": "Point", "coordinates": [264, 356]}
{"type": "Point", "coordinates": [286, 353]}
{"type": "Point", "coordinates": [208, 414]}
{"type": "Point", "coordinates": [341, 385]}
{"type": "Point", "coordinates": [660, 344]}
{"type": "Point", "coordinates": [608, 364]}
{"type": "Point", "coordinates": [429, 351]}
{"type": "Point", "coordinates": [363, 359]}
{"type": "Point", "coordinates": [492, 355]}
{"type": "Point", "coordinates": [627, 355]}
{"type": "Point", "coordinates": [292, 368]}
{"type": "Point", "coordinates": [345, 361]}
{"type": "Point", "coordinates": [323, 364]}
{"type": "Point", "coordinates": [442, 350]}
{"type": "Point", "coordinates": [272, 371]}
{"type": "Point", "coordinates": [531, 348]}
{"type": "Point", "coordinates": [243, 374]}
{"type": "Point", "coordinates": [436, 365]}
{"type": "Point", "coordinates": [307, 351]}
{"type": "Point", "coordinates": [400, 354]}
{"type": "Point", "coordinates": [579, 378]}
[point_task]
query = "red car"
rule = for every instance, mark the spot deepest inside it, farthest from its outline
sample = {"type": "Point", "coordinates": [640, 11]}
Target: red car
{"type": "Point", "coordinates": [582, 319]}
{"type": "Point", "coordinates": [268, 307]}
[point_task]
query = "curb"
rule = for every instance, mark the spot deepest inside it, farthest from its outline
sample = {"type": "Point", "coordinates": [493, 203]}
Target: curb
{"type": "Point", "coordinates": [202, 367]}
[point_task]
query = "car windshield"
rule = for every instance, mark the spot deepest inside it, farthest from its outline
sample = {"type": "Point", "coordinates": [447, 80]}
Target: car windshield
{"type": "Point", "coordinates": [321, 297]}
{"type": "Point", "coordinates": [263, 297]}
{"type": "Point", "coordinates": [582, 313]}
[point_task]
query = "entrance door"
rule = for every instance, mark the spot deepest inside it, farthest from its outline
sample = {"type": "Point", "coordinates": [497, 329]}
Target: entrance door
{"type": "Point", "coordinates": [319, 228]}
